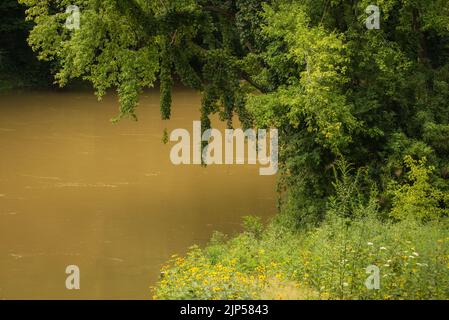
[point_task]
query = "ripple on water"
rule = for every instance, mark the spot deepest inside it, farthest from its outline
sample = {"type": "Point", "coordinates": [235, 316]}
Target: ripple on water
{"type": "Point", "coordinates": [84, 185]}
{"type": "Point", "coordinates": [12, 213]}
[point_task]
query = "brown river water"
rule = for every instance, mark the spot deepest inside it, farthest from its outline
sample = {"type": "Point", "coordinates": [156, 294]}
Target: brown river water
{"type": "Point", "coordinates": [78, 190]}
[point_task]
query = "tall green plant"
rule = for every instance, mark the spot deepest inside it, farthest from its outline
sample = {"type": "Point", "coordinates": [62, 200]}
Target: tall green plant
{"type": "Point", "coordinates": [417, 198]}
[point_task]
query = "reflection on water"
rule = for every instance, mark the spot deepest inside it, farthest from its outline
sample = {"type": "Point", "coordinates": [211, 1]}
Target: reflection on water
{"type": "Point", "coordinates": [75, 189]}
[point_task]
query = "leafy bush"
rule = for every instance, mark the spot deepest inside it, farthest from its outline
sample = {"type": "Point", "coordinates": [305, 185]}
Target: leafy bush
{"type": "Point", "coordinates": [418, 198]}
{"type": "Point", "coordinates": [197, 277]}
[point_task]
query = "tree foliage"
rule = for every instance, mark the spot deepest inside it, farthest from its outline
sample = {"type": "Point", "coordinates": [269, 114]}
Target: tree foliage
{"type": "Point", "coordinates": [308, 67]}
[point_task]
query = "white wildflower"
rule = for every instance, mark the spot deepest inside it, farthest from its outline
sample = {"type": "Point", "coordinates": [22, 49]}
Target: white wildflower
{"type": "Point", "coordinates": [422, 264]}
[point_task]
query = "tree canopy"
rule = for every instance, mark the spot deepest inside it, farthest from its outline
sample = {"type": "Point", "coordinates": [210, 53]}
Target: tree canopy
{"type": "Point", "coordinates": [308, 67]}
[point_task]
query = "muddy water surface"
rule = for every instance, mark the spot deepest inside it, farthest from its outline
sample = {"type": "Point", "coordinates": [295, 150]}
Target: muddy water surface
{"type": "Point", "coordinates": [78, 190]}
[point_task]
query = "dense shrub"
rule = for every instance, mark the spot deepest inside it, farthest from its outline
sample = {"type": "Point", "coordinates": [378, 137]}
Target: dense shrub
{"type": "Point", "coordinates": [418, 198]}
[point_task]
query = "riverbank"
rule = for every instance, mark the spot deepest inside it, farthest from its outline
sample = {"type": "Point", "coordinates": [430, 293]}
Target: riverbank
{"type": "Point", "coordinates": [358, 252]}
{"type": "Point", "coordinates": [329, 262]}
